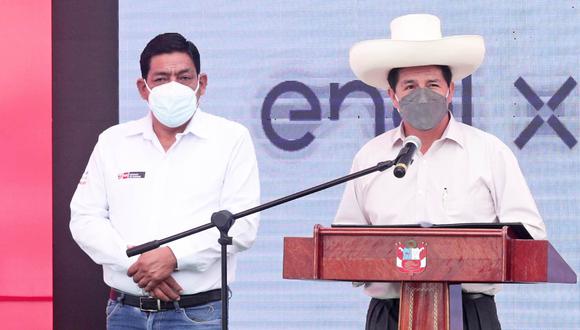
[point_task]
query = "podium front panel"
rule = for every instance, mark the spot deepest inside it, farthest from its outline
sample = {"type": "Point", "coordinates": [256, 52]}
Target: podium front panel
{"type": "Point", "coordinates": [436, 255]}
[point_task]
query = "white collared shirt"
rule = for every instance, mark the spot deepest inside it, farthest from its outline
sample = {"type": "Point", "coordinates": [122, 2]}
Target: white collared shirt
{"type": "Point", "coordinates": [133, 192]}
{"type": "Point", "coordinates": [466, 176]}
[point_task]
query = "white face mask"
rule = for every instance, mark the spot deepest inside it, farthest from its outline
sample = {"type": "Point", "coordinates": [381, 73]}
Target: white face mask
{"type": "Point", "coordinates": [173, 104]}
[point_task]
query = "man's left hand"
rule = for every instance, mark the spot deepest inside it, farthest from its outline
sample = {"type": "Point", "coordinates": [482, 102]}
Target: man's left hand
{"type": "Point", "coordinates": [153, 267]}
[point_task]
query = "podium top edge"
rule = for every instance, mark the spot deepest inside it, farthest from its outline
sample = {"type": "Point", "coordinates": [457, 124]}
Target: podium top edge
{"type": "Point", "coordinates": [517, 229]}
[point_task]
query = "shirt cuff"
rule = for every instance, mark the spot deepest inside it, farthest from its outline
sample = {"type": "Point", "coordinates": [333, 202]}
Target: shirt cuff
{"type": "Point", "coordinates": [181, 250]}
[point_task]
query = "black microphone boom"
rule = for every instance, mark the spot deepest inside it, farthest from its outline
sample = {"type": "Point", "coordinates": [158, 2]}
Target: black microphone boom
{"type": "Point", "coordinates": [410, 145]}
{"type": "Point", "coordinates": [223, 220]}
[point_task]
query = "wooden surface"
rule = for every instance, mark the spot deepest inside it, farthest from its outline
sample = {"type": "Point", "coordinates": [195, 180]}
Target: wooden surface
{"type": "Point", "coordinates": [449, 258]}
{"type": "Point", "coordinates": [453, 255]}
{"type": "Point", "coordinates": [424, 305]}
{"type": "Point", "coordinates": [298, 258]}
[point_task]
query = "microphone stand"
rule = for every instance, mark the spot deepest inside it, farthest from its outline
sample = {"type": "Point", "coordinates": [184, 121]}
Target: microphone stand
{"type": "Point", "coordinates": [223, 221]}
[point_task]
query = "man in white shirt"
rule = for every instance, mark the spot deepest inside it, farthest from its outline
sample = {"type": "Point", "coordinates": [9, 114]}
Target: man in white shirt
{"type": "Point", "coordinates": [158, 176]}
{"type": "Point", "coordinates": [460, 174]}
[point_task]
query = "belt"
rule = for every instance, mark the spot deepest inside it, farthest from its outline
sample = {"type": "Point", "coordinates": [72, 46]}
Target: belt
{"type": "Point", "coordinates": [474, 296]}
{"type": "Point", "coordinates": [470, 296]}
{"type": "Point", "coordinates": [150, 304]}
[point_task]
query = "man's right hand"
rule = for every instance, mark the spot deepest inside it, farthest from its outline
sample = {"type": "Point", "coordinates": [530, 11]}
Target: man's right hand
{"type": "Point", "coordinates": [167, 290]}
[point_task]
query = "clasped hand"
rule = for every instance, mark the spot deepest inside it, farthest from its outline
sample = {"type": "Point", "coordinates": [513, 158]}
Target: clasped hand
{"type": "Point", "coordinates": [152, 272]}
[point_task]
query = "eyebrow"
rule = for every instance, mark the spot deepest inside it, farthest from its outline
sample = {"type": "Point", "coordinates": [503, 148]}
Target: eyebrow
{"type": "Point", "coordinates": [166, 73]}
{"type": "Point", "coordinates": [412, 81]}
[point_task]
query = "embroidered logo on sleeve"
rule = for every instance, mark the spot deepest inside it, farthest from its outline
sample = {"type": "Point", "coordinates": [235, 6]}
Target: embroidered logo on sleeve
{"type": "Point", "coordinates": [131, 175]}
{"type": "Point", "coordinates": [84, 178]}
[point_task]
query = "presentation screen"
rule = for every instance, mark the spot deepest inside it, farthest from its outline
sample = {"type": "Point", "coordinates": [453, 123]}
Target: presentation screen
{"type": "Point", "coordinates": [281, 69]}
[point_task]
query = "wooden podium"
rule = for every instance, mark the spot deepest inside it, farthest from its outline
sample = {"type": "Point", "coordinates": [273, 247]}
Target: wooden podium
{"type": "Point", "coordinates": [430, 263]}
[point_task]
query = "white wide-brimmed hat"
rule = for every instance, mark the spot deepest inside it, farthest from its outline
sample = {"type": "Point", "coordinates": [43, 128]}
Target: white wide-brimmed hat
{"type": "Point", "coordinates": [416, 40]}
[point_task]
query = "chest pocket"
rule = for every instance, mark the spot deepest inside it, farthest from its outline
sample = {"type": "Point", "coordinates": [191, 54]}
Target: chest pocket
{"type": "Point", "coordinates": [195, 183]}
{"type": "Point", "coordinates": [128, 188]}
{"type": "Point", "coordinates": [467, 200]}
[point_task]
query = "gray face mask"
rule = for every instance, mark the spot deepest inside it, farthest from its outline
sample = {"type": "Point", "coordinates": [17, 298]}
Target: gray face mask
{"type": "Point", "coordinates": [423, 108]}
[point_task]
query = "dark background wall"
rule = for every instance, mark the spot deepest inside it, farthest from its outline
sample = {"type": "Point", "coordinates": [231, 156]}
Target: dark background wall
{"type": "Point", "coordinates": [85, 102]}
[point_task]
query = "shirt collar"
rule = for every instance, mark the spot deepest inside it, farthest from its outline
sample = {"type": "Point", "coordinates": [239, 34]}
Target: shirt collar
{"type": "Point", "coordinates": [142, 126]}
{"type": "Point", "coordinates": [452, 132]}
{"type": "Point", "coordinates": [399, 135]}
{"type": "Point", "coordinates": [196, 126]}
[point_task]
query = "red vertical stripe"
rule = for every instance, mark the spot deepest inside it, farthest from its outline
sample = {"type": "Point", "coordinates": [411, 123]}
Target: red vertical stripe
{"type": "Point", "coordinates": [26, 163]}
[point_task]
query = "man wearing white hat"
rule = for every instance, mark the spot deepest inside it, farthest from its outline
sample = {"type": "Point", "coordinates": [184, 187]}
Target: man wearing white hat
{"type": "Point", "coordinates": [461, 174]}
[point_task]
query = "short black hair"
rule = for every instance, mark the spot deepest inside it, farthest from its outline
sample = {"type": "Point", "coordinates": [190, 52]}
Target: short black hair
{"type": "Point", "coordinates": [167, 43]}
{"type": "Point", "coordinates": [393, 76]}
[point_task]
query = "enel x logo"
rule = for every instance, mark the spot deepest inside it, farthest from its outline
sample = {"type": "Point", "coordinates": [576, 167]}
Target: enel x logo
{"type": "Point", "coordinates": [553, 121]}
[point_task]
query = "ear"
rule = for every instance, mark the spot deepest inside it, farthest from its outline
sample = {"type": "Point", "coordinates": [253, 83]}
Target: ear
{"type": "Point", "coordinates": [142, 88]}
{"type": "Point", "coordinates": [393, 98]}
{"type": "Point", "coordinates": [202, 83]}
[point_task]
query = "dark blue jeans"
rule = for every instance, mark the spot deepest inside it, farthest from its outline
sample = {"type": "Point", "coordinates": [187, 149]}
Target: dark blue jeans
{"type": "Point", "coordinates": [206, 317]}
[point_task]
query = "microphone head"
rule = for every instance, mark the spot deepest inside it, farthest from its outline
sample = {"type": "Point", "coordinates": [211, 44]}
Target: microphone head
{"type": "Point", "coordinates": [410, 145]}
{"type": "Point", "coordinates": [414, 140]}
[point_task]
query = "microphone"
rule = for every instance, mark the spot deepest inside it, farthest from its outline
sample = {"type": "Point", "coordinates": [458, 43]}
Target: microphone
{"type": "Point", "coordinates": [405, 157]}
